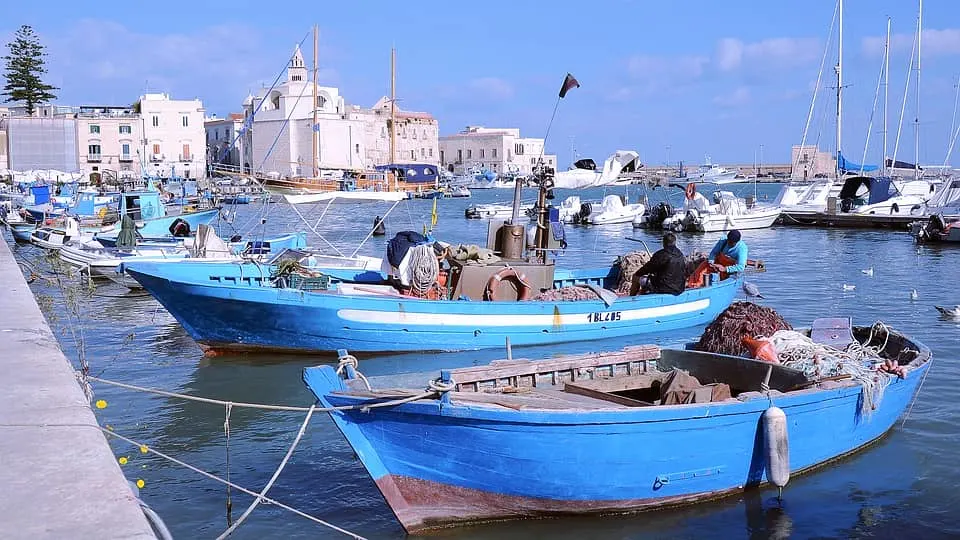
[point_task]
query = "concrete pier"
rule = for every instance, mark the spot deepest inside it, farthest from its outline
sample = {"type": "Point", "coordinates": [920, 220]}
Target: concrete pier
{"type": "Point", "coordinates": [58, 476]}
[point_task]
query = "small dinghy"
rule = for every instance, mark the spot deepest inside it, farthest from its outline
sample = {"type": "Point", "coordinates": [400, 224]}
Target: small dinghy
{"type": "Point", "coordinates": [622, 431]}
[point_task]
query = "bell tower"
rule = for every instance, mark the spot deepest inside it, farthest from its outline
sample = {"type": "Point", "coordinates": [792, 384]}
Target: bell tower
{"type": "Point", "coordinates": [297, 71]}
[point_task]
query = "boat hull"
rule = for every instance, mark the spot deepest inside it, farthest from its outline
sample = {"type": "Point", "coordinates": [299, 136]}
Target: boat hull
{"type": "Point", "coordinates": [440, 464]}
{"type": "Point", "coordinates": [240, 313]}
{"type": "Point", "coordinates": [760, 219]}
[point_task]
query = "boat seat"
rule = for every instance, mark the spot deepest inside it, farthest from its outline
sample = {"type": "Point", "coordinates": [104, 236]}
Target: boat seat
{"type": "Point", "coordinates": [836, 332]}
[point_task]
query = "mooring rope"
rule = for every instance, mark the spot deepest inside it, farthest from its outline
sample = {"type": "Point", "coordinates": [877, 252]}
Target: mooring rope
{"type": "Point", "coordinates": [276, 474]}
{"type": "Point", "coordinates": [142, 446]}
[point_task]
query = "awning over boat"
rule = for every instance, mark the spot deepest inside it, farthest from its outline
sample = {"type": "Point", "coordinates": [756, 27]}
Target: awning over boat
{"type": "Point", "coordinates": [585, 163]}
{"type": "Point", "coordinates": [878, 189]}
{"type": "Point", "coordinates": [413, 173]}
{"type": "Point", "coordinates": [845, 165]}
{"type": "Point", "coordinates": [347, 197]}
{"type": "Point", "coordinates": [891, 164]}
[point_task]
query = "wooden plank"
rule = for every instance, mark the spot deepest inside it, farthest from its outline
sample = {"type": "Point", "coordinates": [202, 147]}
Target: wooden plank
{"type": "Point", "coordinates": [514, 369]}
{"type": "Point", "coordinates": [596, 394]}
{"type": "Point", "coordinates": [620, 384]}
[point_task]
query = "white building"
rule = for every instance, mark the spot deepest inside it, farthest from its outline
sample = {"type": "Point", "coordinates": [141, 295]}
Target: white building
{"type": "Point", "coordinates": [108, 141]}
{"type": "Point", "coordinates": [225, 143]}
{"type": "Point", "coordinates": [281, 138]}
{"type": "Point", "coordinates": [173, 136]}
{"type": "Point", "coordinates": [500, 150]}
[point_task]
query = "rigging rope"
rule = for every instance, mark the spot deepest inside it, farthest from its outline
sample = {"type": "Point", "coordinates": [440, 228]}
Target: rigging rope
{"type": "Point", "coordinates": [425, 269]}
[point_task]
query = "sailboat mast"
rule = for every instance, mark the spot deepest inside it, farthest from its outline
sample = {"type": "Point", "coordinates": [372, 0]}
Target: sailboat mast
{"type": "Point", "coordinates": [916, 159]}
{"type": "Point", "coordinates": [839, 85]}
{"type": "Point", "coordinates": [393, 105]}
{"type": "Point", "coordinates": [313, 127]}
{"type": "Point", "coordinates": [886, 95]}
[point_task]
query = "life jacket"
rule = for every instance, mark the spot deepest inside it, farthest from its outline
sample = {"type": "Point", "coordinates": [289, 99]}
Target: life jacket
{"type": "Point", "coordinates": [725, 260]}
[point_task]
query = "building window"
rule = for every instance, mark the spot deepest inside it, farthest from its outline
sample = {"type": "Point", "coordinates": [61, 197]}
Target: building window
{"type": "Point", "coordinates": [186, 151]}
{"type": "Point", "coordinates": [186, 121]}
{"type": "Point", "coordinates": [125, 151]}
{"type": "Point", "coordinates": [321, 102]}
{"type": "Point", "coordinates": [404, 135]}
{"type": "Point", "coordinates": [481, 153]}
{"type": "Point", "coordinates": [156, 121]}
{"type": "Point", "coordinates": [459, 156]}
{"type": "Point", "coordinates": [518, 149]}
{"type": "Point", "coordinates": [424, 134]}
{"type": "Point", "coordinates": [93, 152]}
{"type": "Point", "coordinates": [357, 148]}
{"type": "Point", "coordinates": [533, 161]}
{"type": "Point", "coordinates": [423, 152]}
{"type": "Point", "coordinates": [94, 129]}
{"type": "Point", "coordinates": [431, 152]}
{"type": "Point", "coordinates": [156, 149]}
{"type": "Point", "coordinates": [383, 133]}
{"type": "Point", "coordinates": [413, 154]}
{"type": "Point", "coordinates": [493, 152]}
{"type": "Point", "coordinates": [125, 129]}
{"type": "Point", "coordinates": [469, 154]}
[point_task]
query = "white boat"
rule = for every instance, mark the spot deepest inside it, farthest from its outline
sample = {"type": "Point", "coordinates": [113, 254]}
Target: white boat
{"type": "Point", "coordinates": [459, 191]}
{"type": "Point", "coordinates": [612, 211]}
{"type": "Point", "coordinates": [494, 211]}
{"type": "Point", "coordinates": [346, 197]}
{"type": "Point", "coordinates": [728, 212]}
{"type": "Point", "coordinates": [584, 174]}
{"type": "Point", "coordinates": [54, 237]}
{"type": "Point", "coordinates": [709, 173]}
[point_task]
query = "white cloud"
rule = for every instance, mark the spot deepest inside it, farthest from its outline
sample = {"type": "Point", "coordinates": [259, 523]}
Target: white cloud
{"type": "Point", "coordinates": [731, 53]}
{"type": "Point", "coordinates": [740, 96]}
{"type": "Point", "coordinates": [935, 42]}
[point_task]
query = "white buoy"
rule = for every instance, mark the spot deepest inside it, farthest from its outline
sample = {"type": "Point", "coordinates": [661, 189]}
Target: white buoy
{"type": "Point", "coordinates": [776, 446]}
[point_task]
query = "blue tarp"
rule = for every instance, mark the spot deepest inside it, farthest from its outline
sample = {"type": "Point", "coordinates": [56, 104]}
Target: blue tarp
{"type": "Point", "coordinates": [845, 165]}
{"type": "Point", "coordinates": [41, 194]}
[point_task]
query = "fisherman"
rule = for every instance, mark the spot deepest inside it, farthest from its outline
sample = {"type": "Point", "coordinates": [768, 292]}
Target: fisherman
{"type": "Point", "coordinates": [729, 255]}
{"type": "Point", "coordinates": [664, 273]}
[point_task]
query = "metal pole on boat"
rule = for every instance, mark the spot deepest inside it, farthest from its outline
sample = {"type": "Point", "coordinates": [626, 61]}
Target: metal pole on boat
{"type": "Point", "coordinates": [839, 85]}
{"type": "Point", "coordinates": [509, 350]}
{"type": "Point", "coordinates": [916, 159]}
{"type": "Point", "coordinates": [886, 94]}
{"type": "Point", "coordinates": [314, 129]}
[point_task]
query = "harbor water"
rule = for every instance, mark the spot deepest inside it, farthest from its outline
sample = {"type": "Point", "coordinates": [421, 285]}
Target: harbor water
{"type": "Point", "coordinates": [904, 486]}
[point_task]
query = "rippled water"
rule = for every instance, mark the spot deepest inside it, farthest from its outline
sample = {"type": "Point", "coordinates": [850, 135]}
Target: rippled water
{"type": "Point", "coordinates": [903, 486]}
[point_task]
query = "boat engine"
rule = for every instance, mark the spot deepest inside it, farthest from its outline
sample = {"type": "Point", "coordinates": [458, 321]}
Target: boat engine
{"type": "Point", "coordinates": [658, 214]}
{"type": "Point", "coordinates": [585, 210]}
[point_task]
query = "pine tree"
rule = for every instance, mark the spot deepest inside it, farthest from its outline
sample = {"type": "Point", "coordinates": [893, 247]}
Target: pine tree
{"type": "Point", "coordinates": [25, 65]}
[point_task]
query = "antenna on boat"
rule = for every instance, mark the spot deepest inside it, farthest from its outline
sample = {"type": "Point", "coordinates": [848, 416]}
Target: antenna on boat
{"type": "Point", "coordinates": [314, 128]}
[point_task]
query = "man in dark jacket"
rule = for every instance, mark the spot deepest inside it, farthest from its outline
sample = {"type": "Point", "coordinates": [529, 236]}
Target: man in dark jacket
{"type": "Point", "coordinates": [664, 273]}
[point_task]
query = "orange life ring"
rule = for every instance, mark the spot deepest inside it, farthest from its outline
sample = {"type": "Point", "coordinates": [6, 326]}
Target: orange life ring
{"type": "Point", "coordinates": [523, 289]}
{"type": "Point", "coordinates": [691, 191]}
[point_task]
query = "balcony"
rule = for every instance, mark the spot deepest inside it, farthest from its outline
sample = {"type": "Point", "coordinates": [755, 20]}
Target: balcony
{"type": "Point", "coordinates": [155, 158]}
{"type": "Point", "coordinates": [186, 158]}
{"type": "Point", "coordinates": [94, 158]}
{"type": "Point", "coordinates": [125, 158]}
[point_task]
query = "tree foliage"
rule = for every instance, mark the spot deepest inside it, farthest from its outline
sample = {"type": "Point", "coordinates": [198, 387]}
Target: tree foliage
{"type": "Point", "coordinates": [24, 66]}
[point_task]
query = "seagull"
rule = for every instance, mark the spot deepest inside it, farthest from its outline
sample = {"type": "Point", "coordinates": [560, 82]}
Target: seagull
{"type": "Point", "coordinates": [751, 289]}
{"type": "Point", "coordinates": [849, 287]}
{"type": "Point", "coordinates": [868, 271]}
{"type": "Point", "coordinates": [914, 294]}
{"type": "Point", "coordinates": [953, 313]}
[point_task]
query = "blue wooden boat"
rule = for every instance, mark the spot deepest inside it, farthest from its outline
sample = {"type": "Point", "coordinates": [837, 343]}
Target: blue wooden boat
{"type": "Point", "coordinates": [588, 434]}
{"type": "Point", "coordinates": [239, 308]}
{"type": "Point", "coordinates": [150, 214]}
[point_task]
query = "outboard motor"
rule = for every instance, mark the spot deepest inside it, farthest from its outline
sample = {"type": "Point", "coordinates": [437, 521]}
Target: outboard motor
{"type": "Point", "coordinates": [180, 228]}
{"type": "Point", "coordinates": [585, 210]}
{"type": "Point", "coordinates": [379, 229]}
{"type": "Point", "coordinates": [846, 205]}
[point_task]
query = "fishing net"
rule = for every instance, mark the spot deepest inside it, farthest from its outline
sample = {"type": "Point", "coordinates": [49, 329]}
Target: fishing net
{"type": "Point", "coordinates": [565, 294]}
{"type": "Point", "coordinates": [725, 334]}
{"type": "Point", "coordinates": [818, 361]}
{"type": "Point", "coordinates": [628, 265]}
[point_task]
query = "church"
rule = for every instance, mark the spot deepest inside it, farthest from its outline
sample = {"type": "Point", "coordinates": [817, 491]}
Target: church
{"type": "Point", "coordinates": [348, 137]}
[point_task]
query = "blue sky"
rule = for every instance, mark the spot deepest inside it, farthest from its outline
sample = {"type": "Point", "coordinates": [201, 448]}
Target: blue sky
{"type": "Point", "coordinates": [688, 78]}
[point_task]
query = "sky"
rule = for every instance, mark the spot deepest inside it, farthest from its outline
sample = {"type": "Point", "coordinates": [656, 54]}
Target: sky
{"type": "Point", "coordinates": [677, 80]}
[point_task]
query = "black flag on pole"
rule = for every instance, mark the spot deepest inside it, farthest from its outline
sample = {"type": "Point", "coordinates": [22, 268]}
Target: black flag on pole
{"type": "Point", "coordinates": [569, 82]}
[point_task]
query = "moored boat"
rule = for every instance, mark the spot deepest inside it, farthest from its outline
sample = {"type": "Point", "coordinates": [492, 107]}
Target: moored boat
{"type": "Point", "coordinates": [614, 432]}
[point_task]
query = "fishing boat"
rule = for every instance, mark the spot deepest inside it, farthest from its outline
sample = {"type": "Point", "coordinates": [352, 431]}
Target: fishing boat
{"type": "Point", "coordinates": [709, 173]}
{"type": "Point", "coordinates": [613, 211]}
{"type": "Point", "coordinates": [152, 219]}
{"type": "Point", "coordinates": [459, 192]}
{"type": "Point", "coordinates": [474, 304]}
{"type": "Point", "coordinates": [53, 237]}
{"type": "Point", "coordinates": [617, 432]}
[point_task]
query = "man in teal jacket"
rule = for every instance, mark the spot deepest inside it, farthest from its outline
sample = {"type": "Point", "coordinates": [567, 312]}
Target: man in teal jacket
{"type": "Point", "coordinates": [729, 255]}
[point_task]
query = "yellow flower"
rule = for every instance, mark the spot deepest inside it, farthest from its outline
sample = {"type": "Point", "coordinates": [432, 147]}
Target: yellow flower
{"type": "Point", "coordinates": [143, 449]}
{"type": "Point", "coordinates": [101, 404]}
{"type": "Point", "coordinates": [141, 483]}
{"type": "Point", "coordinates": [123, 460]}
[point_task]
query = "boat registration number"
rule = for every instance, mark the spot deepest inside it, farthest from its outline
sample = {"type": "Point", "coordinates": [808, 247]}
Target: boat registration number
{"type": "Point", "coordinates": [603, 317]}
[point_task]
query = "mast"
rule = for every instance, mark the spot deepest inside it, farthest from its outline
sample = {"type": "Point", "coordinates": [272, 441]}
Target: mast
{"type": "Point", "coordinates": [839, 85]}
{"type": "Point", "coordinates": [313, 127]}
{"type": "Point", "coordinates": [886, 95]}
{"type": "Point", "coordinates": [916, 132]}
{"type": "Point", "coordinates": [393, 105]}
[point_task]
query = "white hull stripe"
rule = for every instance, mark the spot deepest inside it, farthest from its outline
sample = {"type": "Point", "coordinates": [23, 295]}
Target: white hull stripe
{"type": "Point", "coordinates": [611, 315]}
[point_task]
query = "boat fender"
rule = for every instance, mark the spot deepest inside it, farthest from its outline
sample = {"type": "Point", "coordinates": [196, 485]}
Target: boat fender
{"type": "Point", "coordinates": [776, 446]}
{"type": "Point", "coordinates": [691, 191]}
{"type": "Point", "coordinates": [760, 349]}
{"type": "Point", "coordinates": [493, 284]}
{"type": "Point", "coordinates": [894, 208]}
